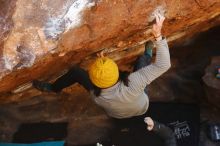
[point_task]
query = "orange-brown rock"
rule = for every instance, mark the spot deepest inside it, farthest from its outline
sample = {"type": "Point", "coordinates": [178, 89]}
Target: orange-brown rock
{"type": "Point", "coordinates": [87, 123]}
{"type": "Point", "coordinates": [40, 39]}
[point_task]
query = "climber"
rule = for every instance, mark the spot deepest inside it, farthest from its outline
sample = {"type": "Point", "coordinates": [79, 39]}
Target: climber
{"type": "Point", "coordinates": [120, 95]}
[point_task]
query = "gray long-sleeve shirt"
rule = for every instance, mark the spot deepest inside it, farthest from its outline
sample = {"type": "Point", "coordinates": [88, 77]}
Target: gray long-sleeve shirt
{"type": "Point", "coordinates": [121, 101]}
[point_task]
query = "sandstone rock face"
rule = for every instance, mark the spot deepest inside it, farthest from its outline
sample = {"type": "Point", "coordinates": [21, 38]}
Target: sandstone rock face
{"type": "Point", "coordinates": [88, 123]}
{"type": "Point", "coordinates": [42, 38]}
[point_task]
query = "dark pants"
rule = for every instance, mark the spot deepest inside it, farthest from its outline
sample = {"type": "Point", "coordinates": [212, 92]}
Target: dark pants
{"type": "Point", "coordinates": [74, 75]}
{"type": "Point", "coordinates": [79, 75]}
{"type": "Point", "coordinates": [142, 61]}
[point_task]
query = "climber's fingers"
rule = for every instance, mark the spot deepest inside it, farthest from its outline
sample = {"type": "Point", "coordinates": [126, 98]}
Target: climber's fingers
{"type": "Point", "coordinates": [157, 18]}
{"type": "Point", "coordinates": [162, 18]}
{"type": "Point", "coordinates": [100, 54]}
{"type": "Point", "coordinates": [149, 122]}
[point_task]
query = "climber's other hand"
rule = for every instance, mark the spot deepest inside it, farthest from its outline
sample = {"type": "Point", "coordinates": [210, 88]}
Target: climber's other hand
{"type": "Point", "coordinates": [149, 122]}
{"type": "Point", "coordinates": [100, 54]}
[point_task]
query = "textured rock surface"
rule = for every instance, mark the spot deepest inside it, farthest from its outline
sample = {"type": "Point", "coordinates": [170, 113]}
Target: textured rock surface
{"type": "Point", "coordinates": [42, 39]}
{"type": "Point", "coordinates": [37, 35]}
{"type": "Point", "coordinates": [182, 83]}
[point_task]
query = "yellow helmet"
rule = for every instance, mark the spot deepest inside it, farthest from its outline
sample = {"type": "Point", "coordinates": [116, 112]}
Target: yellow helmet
{"type": "Point", "coordinates": [104, 72]}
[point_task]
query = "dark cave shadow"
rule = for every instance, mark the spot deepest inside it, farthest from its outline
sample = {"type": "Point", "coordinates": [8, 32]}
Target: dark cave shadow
{"type": "Point", "coordinates": [39, 132]}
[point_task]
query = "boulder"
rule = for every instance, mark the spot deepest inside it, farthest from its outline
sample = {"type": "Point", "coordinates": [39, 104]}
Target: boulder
{"type": "Point", "coordinates": [43, 39]}
{"type": "Point", "coordinates": [40, 39]}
